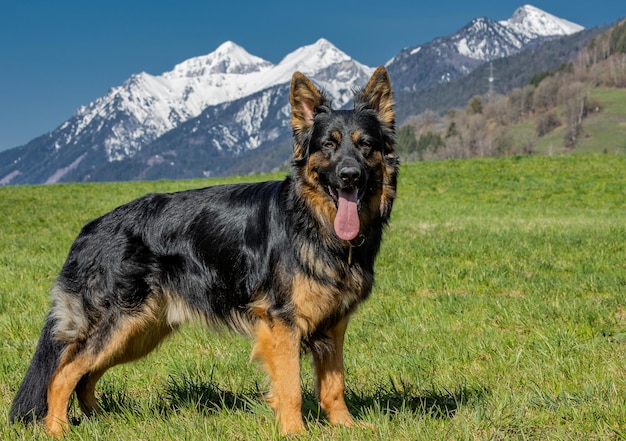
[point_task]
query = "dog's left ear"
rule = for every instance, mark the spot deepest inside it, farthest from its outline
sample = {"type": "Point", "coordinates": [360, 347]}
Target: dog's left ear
{"type": "Point", "coordinates": [378, 95]}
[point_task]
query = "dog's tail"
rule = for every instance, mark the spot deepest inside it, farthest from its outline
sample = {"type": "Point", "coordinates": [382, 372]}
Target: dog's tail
{"type": "Point", "coordinates": [31, 401]}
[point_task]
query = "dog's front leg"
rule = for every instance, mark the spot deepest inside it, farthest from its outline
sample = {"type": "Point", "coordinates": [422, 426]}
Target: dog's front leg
{"type": "Point", "coordinates": [278, 349]}
{"type": "Point", "coordinates": [330, 377]}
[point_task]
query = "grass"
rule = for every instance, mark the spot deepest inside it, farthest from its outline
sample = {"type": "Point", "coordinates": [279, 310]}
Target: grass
{"type": "Point", "coordinates": [499, 313]}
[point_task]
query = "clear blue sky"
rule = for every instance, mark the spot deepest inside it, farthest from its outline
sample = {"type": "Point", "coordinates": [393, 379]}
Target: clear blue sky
{"type": "Point", "coordinates": [58, 55]}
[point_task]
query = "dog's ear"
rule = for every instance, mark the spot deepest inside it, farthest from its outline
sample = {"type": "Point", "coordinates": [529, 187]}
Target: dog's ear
{"type": "Point", "coordinates": [378, 95]}
{"type": "Point", "coordinates": [304, 98]}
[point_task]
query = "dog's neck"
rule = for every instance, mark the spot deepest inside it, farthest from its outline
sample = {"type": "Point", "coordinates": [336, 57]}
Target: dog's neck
{"type": "Point", "coordinates": [354, 243]}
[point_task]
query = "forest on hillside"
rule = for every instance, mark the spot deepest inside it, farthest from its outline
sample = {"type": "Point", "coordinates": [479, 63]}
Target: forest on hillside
{"type": "Point", "coordinates": [558, 100]}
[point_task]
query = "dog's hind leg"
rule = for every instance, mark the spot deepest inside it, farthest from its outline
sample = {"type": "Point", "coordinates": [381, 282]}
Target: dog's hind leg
{"type": "Point", "coordinates": [330, 377]}
{"type": "Point", "coordinates": [129, 337]}
{"type": "Point", "coordinates": [75, 364]}
{"type": "Point", "coordinates": [86, 392]}
{"type": "Point", "coordinates": [278, 349]}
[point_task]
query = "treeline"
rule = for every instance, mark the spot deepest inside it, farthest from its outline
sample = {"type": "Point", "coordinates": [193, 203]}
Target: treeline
{"type": "Point", "coordinates": [551, 99]}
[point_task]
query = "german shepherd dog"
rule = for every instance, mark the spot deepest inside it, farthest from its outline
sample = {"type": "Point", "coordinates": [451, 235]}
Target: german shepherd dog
{"type": "Point", "coordinates": [285, 261]}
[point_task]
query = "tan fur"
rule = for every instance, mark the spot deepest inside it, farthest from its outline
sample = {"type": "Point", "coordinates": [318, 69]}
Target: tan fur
{"type": "Point", "coordinates": [314, 302]}
{"type": "Point", "coordinates": [60, 389]}
{"type": "Point", "coordinates": [379, 200]}
{"type": "Point", "coordinates": [355, 137]}
{"type": "Point", "coordinates": [86, 392]}
{"type": "Point", "coordinates": [322, 207]}
{"type": "Point", "coordinates": [317, 266]}
{"type": "Point", "coordinates": [330, 377]}
{"type": "Point", "coordinates": [336, 136]}
{"type": "Point", "coordinates": [277, 348]}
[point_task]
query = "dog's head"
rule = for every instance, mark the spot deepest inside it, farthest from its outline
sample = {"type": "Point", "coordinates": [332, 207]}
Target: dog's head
{"type": "Point", "coordinates": [345, 159]}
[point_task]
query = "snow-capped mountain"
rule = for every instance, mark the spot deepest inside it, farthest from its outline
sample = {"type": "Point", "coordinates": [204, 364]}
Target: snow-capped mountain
{"type": "Point", "coordinates": [147, 106]}
{"type": "Point", "coordinates": [227, 112]}
{"type": "Point", "coordinates": [533, 22]}
{"type": "Point", "coordinates": [236, 137]}
{"type": "Point", "coordinates": [454, 56]}
{"type": "Point", "coordinates": [131, 116]}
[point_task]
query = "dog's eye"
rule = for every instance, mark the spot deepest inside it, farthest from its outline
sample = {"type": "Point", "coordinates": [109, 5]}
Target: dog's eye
{"type": "Point", "coordinates": [329, 145]}
{"type": "Point", "coordinates": [364, 146]}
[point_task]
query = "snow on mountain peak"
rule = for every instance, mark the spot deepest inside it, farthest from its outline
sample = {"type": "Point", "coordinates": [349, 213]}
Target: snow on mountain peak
{"type": "Point", "coordinates": [333, 70]}
{"type": "Point", "coordinates": [313, 57]}
{"type": "Point", "coordinates": [534, 22]}
{"type": "Point", "coordinates": [228, 58]}
{"type": "Point", "coordinates": [153, 105]}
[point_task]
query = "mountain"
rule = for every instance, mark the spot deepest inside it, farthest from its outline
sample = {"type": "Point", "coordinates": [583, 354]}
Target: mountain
{"type": "Point", "coordinates": [508, 73]}
{"type": "Point", "coordinates": [533, 23]}
{"type": "Point", "coordinates": [115, 127]}
{"type": "Point", "coordinates": [227, 112]}
{"type": "Point", "coordinates": [218, 142]}
{"type": "Point", "coordinates": [449, 58]}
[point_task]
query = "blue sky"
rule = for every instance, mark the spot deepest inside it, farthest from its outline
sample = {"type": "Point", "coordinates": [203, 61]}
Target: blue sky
{"type": "Point", "coordinates": [58, 55]}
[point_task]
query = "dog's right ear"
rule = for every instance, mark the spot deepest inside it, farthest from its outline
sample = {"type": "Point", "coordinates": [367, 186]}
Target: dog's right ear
{"type": "Point", "coordinates": [304, 99]}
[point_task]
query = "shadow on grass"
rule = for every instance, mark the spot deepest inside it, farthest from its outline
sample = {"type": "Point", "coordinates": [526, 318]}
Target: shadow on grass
{"type": "Point", "coordinates": [185, 392]}
{"type": "Point", "coordinates": [206, 397]}
{"type": "Point", "coordinates": [391, 399]}
{"type": "Point", "coordinates": [180, 393]}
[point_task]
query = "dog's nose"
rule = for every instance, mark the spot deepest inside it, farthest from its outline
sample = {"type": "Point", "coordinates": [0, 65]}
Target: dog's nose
{"type": "Point", "coordinates": [350, 175]}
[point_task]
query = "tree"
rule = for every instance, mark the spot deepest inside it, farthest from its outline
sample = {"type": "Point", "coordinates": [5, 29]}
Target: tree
{"type": "Point", "coordinates": [545, 94]}
{"type": "Point", "coordinates": [406, 141]}
{"type": "Point", "coordinates": [520, 103]}
{"type": "Point", "coordinates": [573, 98]}
{"type": "Point", "coordinates": [428, 142]}
{"type": "Point", "coordinates": [475, 105]}
{"type": "Point", "coordinates": [539, 77]}
{"type": "Point", "coordinates": [618, 38]}
{"type": "Point", "coordinates": [546, 122]}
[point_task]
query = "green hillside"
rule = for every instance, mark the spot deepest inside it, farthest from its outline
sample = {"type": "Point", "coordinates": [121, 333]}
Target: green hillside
{"type": "Point", "coordinates": [499, 313]}
{"type": "Point", "coordinates": [603, 131]}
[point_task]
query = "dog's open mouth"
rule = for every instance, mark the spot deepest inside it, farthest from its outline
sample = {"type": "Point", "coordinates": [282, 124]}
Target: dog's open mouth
{"type": "Point", "coordinates": [347, 223]}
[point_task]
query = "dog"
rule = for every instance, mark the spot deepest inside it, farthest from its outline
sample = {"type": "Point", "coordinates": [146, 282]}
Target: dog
{"type": "Point", "coordinates": [287, 262]}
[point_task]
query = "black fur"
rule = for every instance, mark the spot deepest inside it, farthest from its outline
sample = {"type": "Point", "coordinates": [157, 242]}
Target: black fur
{"type": "Point", "coordinates": [30, 402]}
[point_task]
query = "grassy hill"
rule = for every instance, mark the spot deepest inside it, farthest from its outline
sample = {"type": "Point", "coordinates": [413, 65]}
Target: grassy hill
{"type": "Point", "coordinates": [602, 132]}
{"type": "Point", "coordinates": [499, 313]}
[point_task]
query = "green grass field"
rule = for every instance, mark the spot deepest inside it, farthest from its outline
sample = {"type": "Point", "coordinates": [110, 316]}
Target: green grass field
{"type": "Point", "coordinates": [499, 313]}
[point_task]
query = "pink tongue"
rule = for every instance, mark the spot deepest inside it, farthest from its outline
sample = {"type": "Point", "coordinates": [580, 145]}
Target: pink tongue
{"type": "Point", "coordinates": [347, 219]}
